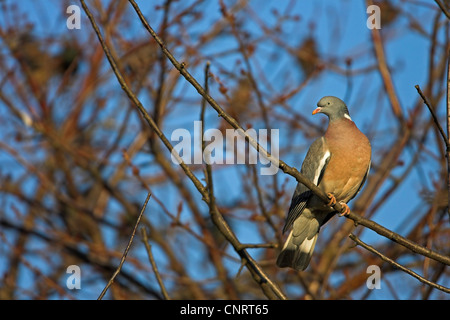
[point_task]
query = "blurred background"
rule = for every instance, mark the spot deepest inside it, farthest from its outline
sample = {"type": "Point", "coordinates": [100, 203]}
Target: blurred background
{"type": "Point", "coordinates": [76, 156]}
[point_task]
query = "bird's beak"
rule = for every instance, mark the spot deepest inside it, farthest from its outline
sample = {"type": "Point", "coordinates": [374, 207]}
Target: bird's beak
{"type": "Point", "coordinates": [317, 110]}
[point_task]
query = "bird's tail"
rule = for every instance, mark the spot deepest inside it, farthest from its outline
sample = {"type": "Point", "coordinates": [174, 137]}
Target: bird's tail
{"type": "Point", "coordinates": [299, 246]}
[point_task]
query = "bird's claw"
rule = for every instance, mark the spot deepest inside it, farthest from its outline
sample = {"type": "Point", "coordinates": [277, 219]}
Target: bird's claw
{"type": "Point", "coordinates": [345, 209]}
{"type": "Point", "coordinates": [332, 199]}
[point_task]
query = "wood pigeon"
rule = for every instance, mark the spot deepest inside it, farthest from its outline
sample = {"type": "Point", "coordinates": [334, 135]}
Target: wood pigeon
{"type": "Point", "coordinates": [338, 163]}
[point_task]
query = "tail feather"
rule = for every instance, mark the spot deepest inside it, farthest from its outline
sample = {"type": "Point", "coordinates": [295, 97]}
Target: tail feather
{"type": "Point", "coordinates": [296, 256]}
{"type": "Point", "coordinates": [299, 246]}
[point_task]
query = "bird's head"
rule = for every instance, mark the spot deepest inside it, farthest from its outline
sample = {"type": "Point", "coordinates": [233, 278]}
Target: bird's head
{"type": "Point", "coordinates": [333, 107]}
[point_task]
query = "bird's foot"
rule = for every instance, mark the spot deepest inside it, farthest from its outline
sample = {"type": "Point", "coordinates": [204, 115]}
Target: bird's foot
{"type": "Point", "coordinates": [332, 200]}
{"type": "Point", "coordinates": [345, 209]}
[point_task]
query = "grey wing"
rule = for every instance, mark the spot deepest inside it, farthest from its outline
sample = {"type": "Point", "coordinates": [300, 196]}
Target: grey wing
{"type": "Point", "coordinates": [313, 168]}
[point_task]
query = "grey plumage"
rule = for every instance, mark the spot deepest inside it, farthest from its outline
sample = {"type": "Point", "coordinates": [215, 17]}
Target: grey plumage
{"type": "Point", "coordinates": [338, 163]}
{"type": "Point", "coordinates": [313, 170]}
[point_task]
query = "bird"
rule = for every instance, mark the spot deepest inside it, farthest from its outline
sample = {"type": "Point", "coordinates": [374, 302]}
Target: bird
{"type": "Point", "coordinates": [338, 163]}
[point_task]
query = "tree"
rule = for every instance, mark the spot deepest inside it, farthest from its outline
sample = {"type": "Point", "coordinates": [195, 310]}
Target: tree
{"type": "Point", "coordinates": [88, 120]}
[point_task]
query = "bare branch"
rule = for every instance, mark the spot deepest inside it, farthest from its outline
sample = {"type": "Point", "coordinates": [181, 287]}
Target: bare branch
{"type": "Point", "coordinates": [397, 265]}
{"type": "Point", "coordinates": [436, 120]}
{"type": "Point", "coordinates": [385, 73]}
{"type": "Point", "coordinates": [148, 247]}
{"type": "Point", "coordinates": [443, 8]}
{"type": "Point", "coordinates": [124, 256]}
{"type": "Point", "coordinates": [448, 131]}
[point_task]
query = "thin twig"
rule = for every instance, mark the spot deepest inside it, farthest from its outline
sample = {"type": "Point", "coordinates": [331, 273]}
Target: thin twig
{"type": "Point", "coordinates": [448, 130]}
{"type": "Point", "coordinates": [124, 256]}
{"type": "Point", "coordinates": [435, 118]}
{"type": "Point", "coordinates": [443, 8]}
{"type": "Point", "coordinates": [441, 130]}
{"type": "Point", "coordinates": [203, 106]}
{"type": "Point", "coordinates": [397, 265]}
{"type": "Point", "coordinates": [260, 245]}
{"type": "Point", "coordinates": [399, 239]}
{"type": "Point", "coordinates": [385, 73]}
{"type": "Point", "coordinates": [262, 206]}
{"type": "Point", "coordinates": [215, 214]}
{"type": "Point", "coordinates": [148, 247]}
{"type": "Point", "coordinates": [162, 73]}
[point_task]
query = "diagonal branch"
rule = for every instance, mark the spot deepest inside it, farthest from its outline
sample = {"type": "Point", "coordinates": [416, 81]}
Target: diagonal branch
{"type": "Point", "coordinates": [435, 118]}
{"type": "Point", "coordinates": [441, 130]}
{"type": "Point", "coordinates": [391, 235]}
{"type": "Point", "coordinates": [397, 265]}
{"type": "Point", "coordinates": [443, 8]}
{"type": "Point", "coordinates": [448, 130]}
{"type": "Point", "coordinates": [386, 74]}
{"type": "Point", "coordinates": [124, 256]}
{"type": "Point", "coordinates": [148, 247]}
{"type": "Point", "coordinates": [214, 214]}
